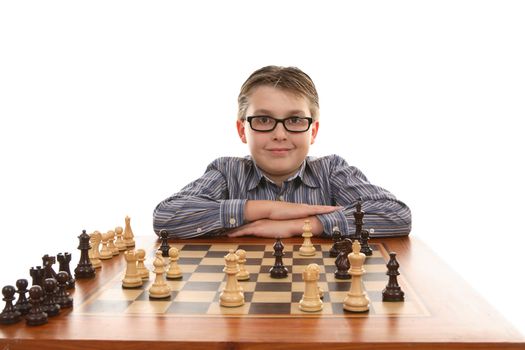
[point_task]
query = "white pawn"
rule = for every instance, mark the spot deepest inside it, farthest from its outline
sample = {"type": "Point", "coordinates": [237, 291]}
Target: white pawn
{"type": "Point", "coordinates": [105, 252]}
{"type": "Point", "coordinates": [131, 278]}
{"type": "Point", "coordinates": [119, 242]}
{"type": "Point", "coordinates": [94, 252]}
{"type": "Point", "coordinates": [307, 249]}
{"type": "Point", "coordinates": [128, 234]}
{"type": "Point", "coordinates": [159, 289]}
{"type": "Point", "coordinates": [111, 243]}
{"type": "Point", "coordinates": [243, 274]}
{"type": "Point", "coordinates": [174, 271]}
{"type": "Point", "coordinates": [356, 300]}
{"type": "Point", "coordinates": [141, 268]}
{"type": "Point", "coordinates": [232, 295]}
{"type": "Point", "coordinates": [311, 300]}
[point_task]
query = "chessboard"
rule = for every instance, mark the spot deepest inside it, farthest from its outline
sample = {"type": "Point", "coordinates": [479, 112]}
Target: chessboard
{"type": "Point", "coordinates": [196, 294]}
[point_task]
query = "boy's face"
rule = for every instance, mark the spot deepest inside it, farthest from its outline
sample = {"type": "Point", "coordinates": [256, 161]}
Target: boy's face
{"type": "Point", "coordinates": [278, 153]}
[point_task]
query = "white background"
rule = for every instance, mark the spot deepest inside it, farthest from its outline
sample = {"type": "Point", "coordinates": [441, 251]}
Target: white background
{"type": "Point", "coordinates": [108, 107]}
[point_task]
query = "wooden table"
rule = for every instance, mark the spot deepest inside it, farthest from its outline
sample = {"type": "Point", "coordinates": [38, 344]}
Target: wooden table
{"type": "Point", "coordinates": [458, 318]}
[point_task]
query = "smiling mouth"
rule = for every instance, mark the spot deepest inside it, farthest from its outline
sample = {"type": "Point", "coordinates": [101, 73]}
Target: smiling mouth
{"type": "Point", "coordinates": [279, 151]}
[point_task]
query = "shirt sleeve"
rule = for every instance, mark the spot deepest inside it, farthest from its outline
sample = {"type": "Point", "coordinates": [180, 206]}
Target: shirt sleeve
{"type": "Point", "coordinates": [388, 216]}
{"type": "Point", "coordinates": [202, 207]}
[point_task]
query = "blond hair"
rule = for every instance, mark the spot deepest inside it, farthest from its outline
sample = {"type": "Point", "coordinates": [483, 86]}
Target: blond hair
{"type": "Point", "coordinates": [290, 79]}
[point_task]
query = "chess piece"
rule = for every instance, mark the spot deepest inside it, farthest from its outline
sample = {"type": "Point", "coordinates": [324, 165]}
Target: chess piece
{"type": "Point", "coordinates": [36, 315]}
{"type": "Point", "coordinates": [141, 268]}
{"type": "Point", "coordinates": [49, 306]}
{"type": "Point", "coordinates": [9, 314]}
{"type": "Point", "coordinates": [243, 274]}
{"type": "Point", "coordinates": [105, 252]}
{"type": "Point", "coordinates": [278, 270]}
{"type": "Point", "coordinates": [64, 259]}
{"type": "Point", "coordinates": [128, 234]}
{"type": "Point", "coordinates": [365, 248]}
{"type": "Point", "coordinates": [47, 262]}
{"type": "Point", "coordinates": [164, 246]}
{"type": "Point", "coordinates": [22, 304]}
{"type": "Point", "coordinates": [392, 291]}
{"type": "Point", "coordinates": [37, 275]}
{"type": "Point", "coordinates": [336, 237]}
{"type": "Point", "coordinates": [311, 301]}
{"type": "Point", "coordinates": [341, 262]}
{"type": "Point", "coordinates": [356, 300]}
{"type": "Point", "coordinates": [119, 242]}
{"type": "Point", "coordinates": [159, 289]}
{"type": "Point", "coordinates": [174, 271]}
{"type": "Point", "coordinates": [62, 297]}
{"type": "Point", "coordinates": [307, 248]}
{"type": "Point", "coordinates": [111, 243]}
{"type": "Point", "coordinates": [84, 268]}
{"type": "Point", "coordinates": [94, 252]}
{"type": "Point", "coordinates": [232, 295]}
{"type": "Point", "coordinates": [131, 277]}
{"type": "Point", "coordinates": [358, 219]}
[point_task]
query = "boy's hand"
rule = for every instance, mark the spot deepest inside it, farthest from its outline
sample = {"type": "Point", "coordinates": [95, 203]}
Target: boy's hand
{"type": "Point", "coordinates": [275, 210]}
{"type": "Point", "coordinates": [276, 228]}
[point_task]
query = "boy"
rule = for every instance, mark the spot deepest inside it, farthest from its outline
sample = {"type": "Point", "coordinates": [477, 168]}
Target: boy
{"type": "Point", "coordinates": [272, 192]}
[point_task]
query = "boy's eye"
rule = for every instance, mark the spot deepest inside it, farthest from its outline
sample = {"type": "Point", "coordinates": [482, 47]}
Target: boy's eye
{"type": "Point", "coordinates": [264, 120]}
{"type": "Point", "coordinates": [295, 120]}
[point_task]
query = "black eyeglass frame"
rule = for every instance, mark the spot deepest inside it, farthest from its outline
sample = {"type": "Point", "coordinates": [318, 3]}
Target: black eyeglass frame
{"type": "Point", "coordinates": [277, 121]}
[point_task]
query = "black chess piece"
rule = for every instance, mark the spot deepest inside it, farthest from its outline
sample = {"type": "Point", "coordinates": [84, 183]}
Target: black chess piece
{"type": "Point", "coordinates": [341, 262]}
{"type": "Point", "coordinates": [47, 262]}
{"type": "Point", "coordinates": [36, 315]}
{"type": "Point", "coordinates": [9, 315]}
{"type": "Point", "coordinates": [336, 237]}
{"type": "Point", "coordinates": [278, 270]}
{"type": "Point", "coordinates": [164, 246]}
{"type": "Point", "coordinates": [63, 260]}
{"type": "Point", "coordinates": [22, 304]}
{"type": "Point", "coordinates": [62, 297]}
{"type": "Point", "coordinates": [358, 218]}
{"type": "Point", "coordinates": [392, 291]}
{"type": "Point", "coordinates": [365, 248]}
{"type": "Point", "coordinates": [37, 274]}
{"type": "Point", "coordinates": [49, 306]}
{"type": "Point", "coordinates": [84, 268]}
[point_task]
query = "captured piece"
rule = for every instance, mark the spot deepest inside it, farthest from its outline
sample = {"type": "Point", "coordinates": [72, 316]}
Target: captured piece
{"type": "Point", "coordinates": [36, 315]}
{"type": "Point", "coordinates": [119, 241]}
{"type": "Point", "coordinates": [62, 296]}
{"type": "Point", "coordinates": [278, 270]}
{"type": "Point", "coordinates": [307, 249]}
{"type": "Point", "coordinates": [49, 306]}
{"type": "Point", "coordinates": [311, 300]}
{"type": "Point", "coordinates": [111, 243]}
{"type": "Point", "coordinates": [84, 268]}
{"type": "Point", "coordinates": [63, 265]}
{"type": "Point", "coordinates": [129, 238]}
{"type": "Point", "coordinates": [48, 262]}
{"type": "Point", "coordinates": [37, 275]}
{"type": "Point", "coordinates": [392, 291]}
{"type": "Point", "coordinates": [94, 252]}
{"type": "Point", "coordinates": [22, 304]}
{"type": "Point", "coordinates": [105, 252]}
{"type": "Point", "coordinates": [356, 300]}
{"type": "Point", "coordinates": [9, 314]}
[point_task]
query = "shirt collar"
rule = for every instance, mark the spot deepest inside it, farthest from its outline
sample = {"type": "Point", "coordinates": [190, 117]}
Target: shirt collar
{"type": "Point", "coordinates": [304, 174]}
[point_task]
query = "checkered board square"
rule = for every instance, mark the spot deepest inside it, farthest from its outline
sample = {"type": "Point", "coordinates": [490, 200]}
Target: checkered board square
{"type": "Point", "coordinates": [197, 292]}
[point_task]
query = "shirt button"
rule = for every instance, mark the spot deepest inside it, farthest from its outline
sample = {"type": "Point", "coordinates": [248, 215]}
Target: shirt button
{"type": "Point", "coordinates": [232, 221]}
{"type": "Point", "coordinates": [281, 198]}
{"type": "Point", "coordinates": [199, 230]}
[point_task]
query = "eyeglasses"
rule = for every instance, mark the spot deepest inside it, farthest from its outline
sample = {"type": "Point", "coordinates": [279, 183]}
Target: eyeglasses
{"type": "Point", "coordinates": [264, 123]}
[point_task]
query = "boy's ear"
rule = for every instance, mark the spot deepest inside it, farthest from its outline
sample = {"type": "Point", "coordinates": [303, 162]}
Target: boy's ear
{"type": "Point", "coordinates": [315, 129]}
{"type": "Point", "coordinates": [241, 130]}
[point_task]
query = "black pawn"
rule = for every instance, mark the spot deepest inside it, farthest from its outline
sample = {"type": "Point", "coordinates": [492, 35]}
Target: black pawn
{"type": "Point", "coordinates": [278, 270]}
{"type": "Point", "coordinates": [37, 274]}
{"type": "Point", "coordinates": [164, 246]}
{"type": "Point", "coordinates": [336, 237]}
{"type": "Point", "coordinates": [365, 248]}
{"type": "Point", "coordinates": [36, 315]}
{"type": "Point", "coordinates": [63, 260]}
{"type": "Point", "coordinates": [22, 304]}
{"type": "Point", "coordinates": [9, 314]}
{"type": "Point", "coordinates": [84, 268]}
{"type": "Point", "coordinates": [49, 306]}
{"type": "Point", "coordinates": [47, 262]}
{"type": "Point", "coordinates": [62, 297]}
{"type": "Point", "coordinates": [393, 291]}
{"type": "Point", "coordinates": [341, 262]}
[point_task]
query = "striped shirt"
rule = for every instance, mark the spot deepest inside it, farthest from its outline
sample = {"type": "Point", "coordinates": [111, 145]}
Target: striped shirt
{"type": "Point", "coordinates": [215, 202]}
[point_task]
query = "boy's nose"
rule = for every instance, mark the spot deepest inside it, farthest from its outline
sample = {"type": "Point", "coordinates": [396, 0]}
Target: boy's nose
{"type": "Point", "coordinates": [279, 133]}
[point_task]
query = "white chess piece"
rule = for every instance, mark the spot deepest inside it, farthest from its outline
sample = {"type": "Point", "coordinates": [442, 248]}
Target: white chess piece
{"type": "Point", "coordinates": [174, 271]}
{"type": "Point", "coordinates": [159, 289]}
{"type": "Point", "coordinates": [243, 274]}
{"type": "Point", "coordinates": [131, 277]}
{"type": "Point", "coordinates": [307, 249]}
{"type": "Point", "coordinates": [128, 234]}
{"type": "Point", "coordinates": [94, 252]}
{"type": "Point", "coordinates": [311, 300]}
{"type": "Point", "coordinates": [105, 252]}
{"type": "Point", "coordinates": [356, 300]}
{"type": "Point", "coordinates": [111, 243]}
{"type": "Point", "coordinates": [119, 242]}
{"type": "Point", "coordinates": [142, 271]}
{"type": "Point", "coordinates": [232, 294]}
